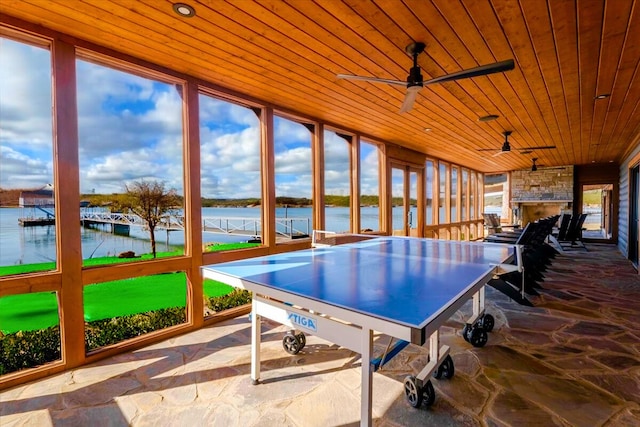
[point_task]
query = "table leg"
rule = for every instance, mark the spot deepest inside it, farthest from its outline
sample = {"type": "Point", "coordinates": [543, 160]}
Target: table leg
{"type": "Point", "coordinates": [366, 390]}
{"type": "Point", "coordinates": [255, 343]}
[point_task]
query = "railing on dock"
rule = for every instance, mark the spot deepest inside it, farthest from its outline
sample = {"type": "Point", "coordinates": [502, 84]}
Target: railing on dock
{"type": "Point", "coordinates": [287, 227]}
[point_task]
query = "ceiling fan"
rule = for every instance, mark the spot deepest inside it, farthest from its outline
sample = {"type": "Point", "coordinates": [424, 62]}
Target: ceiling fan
{"type": "Point", "coordinates": [415, 81]}
{"type": "Point", "coordinates": [506, 146]}
{"type": "Point", "coordinates": [535, 166]}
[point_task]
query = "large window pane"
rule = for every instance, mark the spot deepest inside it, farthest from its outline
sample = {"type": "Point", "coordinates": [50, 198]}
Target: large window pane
{"type": "Point", "coordinates": [412, 220]}
{"type": "Point", "coordinates": [454, 194]}
{"type": "Point", "coordinates": [229, 175]}
{"type": "Point", "coordinates": [397, 201]}
{"type": "Point", "coordinates": [369, 187]}
{"type": "Point", "coordinates": [464, 196]}
{"type": "Point", "coordinates": [30, 330]}
{"type": "Point", "coordinates": [442, 177]}
{"type": "Point", "coordinates": [28, 237]}
{"type": "Point", "coordinates": [293, 176]}
{"type": "Point", "coordinates": [131, 167]}
{"type": "Point", "coordinates": [337, 179]}
{"type": "Point", "coordinates": [472, 192]}
{"type": "Point", "coordinates": [429, 174]}
{"type": "Point", "coordinates": [122, 309]}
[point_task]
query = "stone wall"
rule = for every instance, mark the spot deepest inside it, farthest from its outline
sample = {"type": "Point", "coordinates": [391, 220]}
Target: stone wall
{"type": "Point", "coordinates": [544, 184]}
{"type": "Point", "coordinates": [539, 194]}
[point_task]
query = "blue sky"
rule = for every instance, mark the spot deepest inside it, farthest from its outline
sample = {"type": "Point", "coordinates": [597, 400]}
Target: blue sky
{"type": "Point", "coordinates": [130, 128]}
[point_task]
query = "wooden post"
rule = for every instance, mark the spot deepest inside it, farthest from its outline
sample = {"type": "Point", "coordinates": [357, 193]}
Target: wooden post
{"type": "Point", "coordinates": [67, 192]}
{"type": "Point", "coordinates": [192, 204]}
{"type": "Point", "coordinates": [267, 172]}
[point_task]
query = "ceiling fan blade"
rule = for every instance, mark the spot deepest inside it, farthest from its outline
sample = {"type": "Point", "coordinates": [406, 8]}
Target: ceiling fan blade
{"type": "Point", "coordinates": [371, 79]}
{"type": "Point", "coordinates": [482, 70]}
{"type": "Point", "coordinates": [545, 147]}
{"type": "Point", "coordinates": [499, 153]}
{"type": "Point", "coordinates": [410, 98]}
{"type": "Point", "coordinates": [486, 149]}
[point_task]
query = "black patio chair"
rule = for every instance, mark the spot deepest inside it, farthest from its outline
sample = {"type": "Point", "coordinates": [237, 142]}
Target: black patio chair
{"type": "Point", "coordinates": [573, 238]}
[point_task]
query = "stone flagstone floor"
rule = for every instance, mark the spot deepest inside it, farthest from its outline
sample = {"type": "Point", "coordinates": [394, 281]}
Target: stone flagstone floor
{"type": "Point", "coordinates": [572, 360]}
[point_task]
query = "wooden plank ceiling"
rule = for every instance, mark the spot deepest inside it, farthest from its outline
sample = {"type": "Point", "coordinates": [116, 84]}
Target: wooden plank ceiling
{"type": "Point", "coordinates": [287, 53]}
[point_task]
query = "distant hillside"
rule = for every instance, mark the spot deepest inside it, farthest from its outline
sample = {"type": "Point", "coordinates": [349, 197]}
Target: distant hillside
{"type": "Point", "coordinates": [10, 198]}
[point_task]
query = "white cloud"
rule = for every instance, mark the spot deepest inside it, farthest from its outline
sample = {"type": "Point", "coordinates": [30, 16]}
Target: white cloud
{"type": "Point", "coordinates": [130, 128]}
{"type": "Point", "coordinates": [26, 136]}
{"type": "Point", "coordinates": [20, 171]}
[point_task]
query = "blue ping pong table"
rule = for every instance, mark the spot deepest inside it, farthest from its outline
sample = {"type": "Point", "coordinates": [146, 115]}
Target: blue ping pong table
{"type": "Point", "coordinates": [403, 287]}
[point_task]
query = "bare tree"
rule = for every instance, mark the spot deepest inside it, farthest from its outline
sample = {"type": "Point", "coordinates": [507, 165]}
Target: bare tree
{"type": "Point", "coordinates": [150, 201]}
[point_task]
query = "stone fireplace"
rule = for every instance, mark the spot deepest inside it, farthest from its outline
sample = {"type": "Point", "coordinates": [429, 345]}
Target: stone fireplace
{"type": "Point", "coordinates": [541, 193]}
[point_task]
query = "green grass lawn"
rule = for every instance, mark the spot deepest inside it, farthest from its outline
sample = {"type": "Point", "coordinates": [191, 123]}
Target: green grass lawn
{"type": "Point", "coordinates": [34, 311]}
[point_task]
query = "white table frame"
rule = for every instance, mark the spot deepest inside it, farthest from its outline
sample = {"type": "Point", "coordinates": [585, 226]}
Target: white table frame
{"type": "Point", "coordinates": [351, 329]}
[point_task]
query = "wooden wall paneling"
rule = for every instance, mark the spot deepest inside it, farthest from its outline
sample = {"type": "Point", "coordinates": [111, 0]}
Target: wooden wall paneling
{"type": "Point", "coordinates": [590, 29]}
{"type": "Point", "coordinates": [267, 171]}
{"type": "Point", "coordinates": [614, 32]}
{"type": "Point", "coordinates": [193, 202]}
{"type": "Point", "coordinates": [564, 23]}
{"type": "Point", "coordinates": [444, 45]}
{"type": "Point", "coordinates": [626, 91]}
{"type": "Point", "coordinates": [537, 19]}
{"type": "Point", "coordinates": [457, 16]}
{"type": "Point", "coordinates": [263, 18]}
{"type": "Point", "coordinates": [513, 25]}
{"type": "Point", "coordinates": [159, 46]}
{"type": "Point", "coordinates": [302, 39]}
{"type": "Point", "coordinates": [490, 23]}
{"type": "Point", "coordinates": [67, 209]}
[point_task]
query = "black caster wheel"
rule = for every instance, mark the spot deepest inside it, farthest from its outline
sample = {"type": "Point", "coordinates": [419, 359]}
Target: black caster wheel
{"type": "Point", "coordinates": [291, 344]}
{"type": "Point", "coordinates": [428, 394]}
{"type": "Point", "coordinates": [465, 332]}
{"type": "Point", "coordinates": [445, 369]}
{"type": "Point", "coordinates": [302, 340]}
{"type": "Point", "coordinates": [477, 337]}
{"type": "Point", "coordinates": [487, 322]}
{"type": "Point", "coordinates": [417, 395]}
{"type": "Point", "coordinates": [413, 391]}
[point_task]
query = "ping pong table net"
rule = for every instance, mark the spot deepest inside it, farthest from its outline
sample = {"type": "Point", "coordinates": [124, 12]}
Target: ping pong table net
{"type": "Point", "coordinates": [321, 238]}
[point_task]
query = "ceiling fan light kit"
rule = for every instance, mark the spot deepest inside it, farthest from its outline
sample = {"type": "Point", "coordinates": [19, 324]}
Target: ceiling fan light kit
{"type": "Point", "coordinates": [506, 146]}
{"type": "Point", "coordinates": [415, 81]}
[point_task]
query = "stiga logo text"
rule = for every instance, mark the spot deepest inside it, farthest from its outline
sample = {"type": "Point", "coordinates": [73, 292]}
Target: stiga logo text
{"type": "Point", "coordinates": [303, 321]}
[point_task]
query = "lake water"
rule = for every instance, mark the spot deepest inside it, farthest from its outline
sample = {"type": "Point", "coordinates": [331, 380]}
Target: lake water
{"type": "Point", "coordinates": [27, 245]}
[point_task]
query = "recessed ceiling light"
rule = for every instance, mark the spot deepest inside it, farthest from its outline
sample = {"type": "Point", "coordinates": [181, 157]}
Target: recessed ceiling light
{"type": "Point", "coordinates": [488, 118]}
{"type": "Point", "coordinates": [427, 129]}
{"type": "Point", "coordinates": [184, 10]}
{"type": "Point", "coordinates": [603, 96]}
